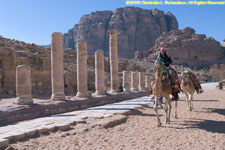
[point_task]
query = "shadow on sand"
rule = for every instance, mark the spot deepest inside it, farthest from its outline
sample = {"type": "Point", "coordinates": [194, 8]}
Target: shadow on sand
{"type": "Point", "coordinates": [208, 125]}
{"type": "Point", "coordinates": [194, 100]}
{"type": "Point", "coordinates": [137, 112]}
{"type": "Point", "coordinates": [218, 111]}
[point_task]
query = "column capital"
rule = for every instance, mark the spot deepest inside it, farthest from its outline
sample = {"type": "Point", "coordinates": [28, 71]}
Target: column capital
{"type": "Point", "coordinates": [113, 31]}
{"type": "Point", "coordinates": [57, 34]}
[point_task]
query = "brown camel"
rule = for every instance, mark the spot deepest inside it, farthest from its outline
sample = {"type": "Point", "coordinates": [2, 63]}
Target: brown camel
{"type": "Point", "coordinates": [188, 88]}
{"type": "Point", "coordinates": [162, 88]}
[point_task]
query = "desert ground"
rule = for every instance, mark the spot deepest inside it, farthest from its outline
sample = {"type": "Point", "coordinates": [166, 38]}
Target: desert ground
{"type": "Point", "coordinates": [201, 129]}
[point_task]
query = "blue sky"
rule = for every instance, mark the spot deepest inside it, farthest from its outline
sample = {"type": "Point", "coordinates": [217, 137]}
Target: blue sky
{"type": "Point", "coordinates": [33, 21]}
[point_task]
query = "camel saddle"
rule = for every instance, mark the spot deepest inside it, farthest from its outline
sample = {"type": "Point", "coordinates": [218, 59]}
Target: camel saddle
{"type": "Point", "coordinates": [194, 79]}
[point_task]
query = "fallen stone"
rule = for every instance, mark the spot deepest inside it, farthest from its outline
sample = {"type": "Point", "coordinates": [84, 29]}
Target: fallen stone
{"type": "Point", "coordinates": [4, 143]}
{"type": "Point", "coordinates": [8, 136]}
{"type": "Point", "coordinates": [30, 133]}
{"type": "Point", "coordinates": [112, 121]}
{"type": "Point", "coordinates": [62, 127]}
{"type": "Point", "coordinates": [50, 127]}
{"type": "Point", "coordinates": [18, 136]}
{"type": "Point", "coordinates": [42, 130]}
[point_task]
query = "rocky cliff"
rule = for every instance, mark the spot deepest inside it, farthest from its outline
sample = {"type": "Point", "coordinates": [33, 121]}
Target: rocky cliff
{"type": "Point", "coordinates": [138, 29]}
{"type": "Point", "coordinates": [186, 48]}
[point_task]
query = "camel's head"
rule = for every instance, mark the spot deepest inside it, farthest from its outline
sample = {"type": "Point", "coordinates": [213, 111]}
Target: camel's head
{"type": "Point", "coordinates": [157, 65]}
{"type": "Point", "coordinates": [165, 75]}
{"type": "Point", "coordinates": [184, 77]}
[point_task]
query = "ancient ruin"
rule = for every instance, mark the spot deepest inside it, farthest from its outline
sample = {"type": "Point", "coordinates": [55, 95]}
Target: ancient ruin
{"type": "Point", "coordinates": [141, 85]}
{"type": "Point", "coordinates": [113, 54]}
{"type": "Point", "coordinates": [82, 90]}
{"type": "Point", "coordinates": [126, 81]}
{"type": "Point", "coordinates": [134, 81]}
{"type": "Point", "coordinates": [147, 81]}
{"type": "Point", "coordinates": [57, 67]}
{"type": "Point", "coordinates": [217, 71]}
{"type": "Point", "coordinates": [99, 73]}
{"type": "Point", "coordinates": [23, 85]}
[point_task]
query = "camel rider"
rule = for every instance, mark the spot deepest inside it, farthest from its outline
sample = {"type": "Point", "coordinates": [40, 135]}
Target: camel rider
{"type": "Point", "coordinates": [164, 58]}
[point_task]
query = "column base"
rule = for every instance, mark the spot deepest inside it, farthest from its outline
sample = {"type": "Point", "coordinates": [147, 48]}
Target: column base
{"type": "Point", "coordinates": [24, 100]}
{"type": "Point", "coordinates": [100, 93]}
{"type": "Point", "coordinates": [58, 96]}
{"type": "Point", "coordinates": [134, 89]}
{"type": "Point", "coordinates": [142, 89]}
{"type": "Point", "coordinates": [126, 89]}
{"type": "Point", "coordinates": [114, 91]}
{"type": "Point", "coordinates": [83, 94]}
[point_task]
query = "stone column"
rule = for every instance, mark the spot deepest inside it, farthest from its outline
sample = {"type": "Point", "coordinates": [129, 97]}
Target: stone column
{"type": "Point", "coordinates": [141, 81]}
{"type": "Point", "coordinates": [82, 90]}
{"type": "Point", "coordinates": [147, 81]}
{"type": "Point", "coordinates": [57, 66]}
{"type": "Point", "coordinates": [126, 81]}
{"type": "Point", "coordinates": [134, 81]}
{"type": "Point", "coordinates": [99, 73]}
{"type": "Point", "coordinates": [113, 54]}
{"type": "Point", "coordinates": [23, 85]}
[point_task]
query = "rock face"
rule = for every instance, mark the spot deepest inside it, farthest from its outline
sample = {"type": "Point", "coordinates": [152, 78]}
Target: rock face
{"type": "Point", "coordinates": [186, 48]}
{"type": "Point", "coordinates": [138, 29]}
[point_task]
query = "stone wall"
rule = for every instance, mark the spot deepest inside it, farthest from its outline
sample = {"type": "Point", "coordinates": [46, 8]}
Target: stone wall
{"type": "Point", "coordinates": [217, 71]}
{"type": "Point", "coordinates": [14, 53]}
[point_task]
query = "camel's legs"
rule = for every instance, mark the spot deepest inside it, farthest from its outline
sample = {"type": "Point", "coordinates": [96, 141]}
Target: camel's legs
{"type": "Point", "coordinates": [175, 104]}
{"type": "Point", "coordinates": [187, 99]}
{"type": "Point", "coordinates": [191, 101]}
{"type": "Point", "coordinates": [156, 111]}
{"type": "Point", "coordinates": [168, 109]}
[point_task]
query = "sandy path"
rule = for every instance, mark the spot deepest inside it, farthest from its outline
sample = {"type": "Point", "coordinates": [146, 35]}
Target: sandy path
{"type": "Point", "coordinates": [202, 129]}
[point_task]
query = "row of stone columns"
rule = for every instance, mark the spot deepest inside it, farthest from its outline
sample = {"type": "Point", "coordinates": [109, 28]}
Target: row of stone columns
{"type": "Point", "coordinates": [134, 81]}
{"type": "Point", "coordinates": [131, 81]}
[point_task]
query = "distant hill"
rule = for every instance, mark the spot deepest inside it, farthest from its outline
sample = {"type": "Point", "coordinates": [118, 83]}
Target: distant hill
{"type": "Point", "coordinates": [47, 46]}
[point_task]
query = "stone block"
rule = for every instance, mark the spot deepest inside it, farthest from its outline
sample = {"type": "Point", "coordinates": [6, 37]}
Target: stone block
{"type": "Point", "coordinates": [30, 132]}
{"type": "Point", "coordinates": [18, 136]}
{"type": "Point", "coordinates": [62, 127]}
{"type": "Point", "coordinates": [4, 143]}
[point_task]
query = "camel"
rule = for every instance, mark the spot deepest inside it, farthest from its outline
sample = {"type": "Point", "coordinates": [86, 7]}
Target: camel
{"type": "Point", "coordinates": [188, 88]}
{"type": "Point", "coordinates": [162, 88]}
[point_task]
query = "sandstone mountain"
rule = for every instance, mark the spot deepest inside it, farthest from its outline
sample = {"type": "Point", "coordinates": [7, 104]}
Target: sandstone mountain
{"type": "Point", "coordinates": [138, 29]}
{"type": "Point", "coordinates": [186, 48]}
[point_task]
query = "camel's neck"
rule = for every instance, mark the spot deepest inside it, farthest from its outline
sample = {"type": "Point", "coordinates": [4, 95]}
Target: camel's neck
{"type": "Point", "coordinates": [158, 73]}
{"type": "Point", "coordinates": [158, 78]}
{"type": "Point", "coordinates": [189, 82]}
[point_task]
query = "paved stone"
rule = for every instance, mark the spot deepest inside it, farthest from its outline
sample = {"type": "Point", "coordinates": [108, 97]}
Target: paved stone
{"type": "Point", "coordinates": [63, 121]}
